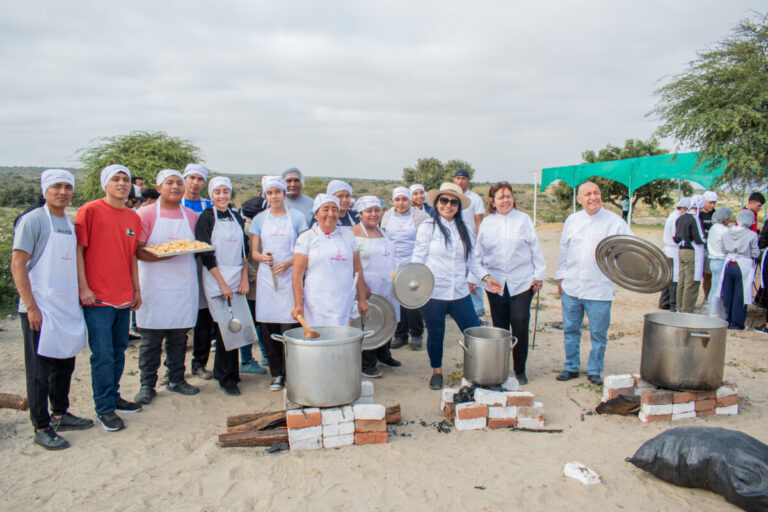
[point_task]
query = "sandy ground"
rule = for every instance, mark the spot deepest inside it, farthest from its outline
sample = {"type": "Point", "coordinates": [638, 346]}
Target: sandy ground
{"type": "Point", "coordinates": [168, 458]}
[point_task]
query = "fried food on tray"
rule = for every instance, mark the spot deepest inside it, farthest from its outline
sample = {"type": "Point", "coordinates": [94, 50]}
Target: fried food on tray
{"type": "Point", "coordinates": [176, 246]}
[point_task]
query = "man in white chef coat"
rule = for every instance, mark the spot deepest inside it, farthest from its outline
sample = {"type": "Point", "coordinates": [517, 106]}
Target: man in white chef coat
{"type": "Point", "coordinates": [582, 285]}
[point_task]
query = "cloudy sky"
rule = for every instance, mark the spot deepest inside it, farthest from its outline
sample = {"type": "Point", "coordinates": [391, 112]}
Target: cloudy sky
{"type": "Point", "coordinates": [346, 88]}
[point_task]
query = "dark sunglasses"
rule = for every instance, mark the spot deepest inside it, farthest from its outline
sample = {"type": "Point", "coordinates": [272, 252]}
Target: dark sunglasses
{"type": "Point", "coordinates": [444, 200]}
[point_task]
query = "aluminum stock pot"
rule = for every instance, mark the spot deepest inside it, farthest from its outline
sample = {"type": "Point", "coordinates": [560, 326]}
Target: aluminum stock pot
{"type": "Point", "coordinates": [486, 355]}
{"type": "Point", "coordinates": [683, 351]}
{"type": "Point", "coordinates": [324, 371]}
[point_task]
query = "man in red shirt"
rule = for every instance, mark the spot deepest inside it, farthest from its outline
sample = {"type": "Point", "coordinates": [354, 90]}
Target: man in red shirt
{"type": "Point", "coordinates": [107, 234]}
{"type": "Point", "coordinates": [754, 203]}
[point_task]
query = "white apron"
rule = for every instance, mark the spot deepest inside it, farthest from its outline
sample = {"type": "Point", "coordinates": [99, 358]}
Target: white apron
{"type": "Point", "coordinates": [328, 292]}
{"type": "Point", "coordinates": [54, 285]}
{"type": "Point", "coordinates": [279, 238]}
{"type": "Point", "coordinates": [402, 231]}
{"type": "Point", "coordinates": [747, 267]}
{"type": "Point", "coordinates": [169, 287]}
{"type": "Point", "coordinates": [227, 239]}
{"type": "Point", "coordinates": [379, 269]}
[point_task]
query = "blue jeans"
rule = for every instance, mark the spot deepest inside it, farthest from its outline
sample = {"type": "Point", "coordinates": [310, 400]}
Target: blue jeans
{"type": "Point", "coordinates": [733, 297]}
{"type": "Point", "coordinates": [716, 266]}
{"type": "Point", "coordinates": [434, 313]}
{"type": "Point", "coordinates": [599, 314]}
{"type": "Point", "coordinates": [107, 339]}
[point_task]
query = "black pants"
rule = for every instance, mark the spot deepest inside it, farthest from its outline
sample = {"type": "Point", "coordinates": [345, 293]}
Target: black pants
{"type": "Point", "coordinates": [668, 298]}
{"type": "Point", "coordinates": [370, 357]}
{"type": "Point", "coordinates": [225, 363]}
{"type": "Point", "coordinates": [151, 350]}
{"type": "Point", "coordinates": [513, 313]}
{"type": "Point", "coordinates": [47, 379]}
{"type": "Point", "coordinates": [275, 350]}
{"type": "Point", "coordinates": [410, 322]}
{"type": "Point", "coordinates": [204, 333]}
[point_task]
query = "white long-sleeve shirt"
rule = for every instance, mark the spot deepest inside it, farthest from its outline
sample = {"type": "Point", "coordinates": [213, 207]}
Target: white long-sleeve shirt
{"type": "Point", "coordinates": [446, 263]}
{"type": "Point", "coordinates": [508, 247]}
{"type": "Point", "coordinates": [670, 247]}
{"type": "Point", "coordinates": [577, 266]}
{"type": "Point", "coordinates": [715, 241]}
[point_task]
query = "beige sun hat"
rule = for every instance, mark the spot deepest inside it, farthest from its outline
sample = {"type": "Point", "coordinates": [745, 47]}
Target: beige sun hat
{"type": "Point", "coordinates": [450, 189]}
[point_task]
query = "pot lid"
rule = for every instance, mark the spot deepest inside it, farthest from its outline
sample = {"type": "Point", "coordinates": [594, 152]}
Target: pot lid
{"type": "Point", "coordinates": [633, 263]}
{"type": "Point", "coordinates": [380, 319]}
{"type": "Point", "coordinates": [413, 285]}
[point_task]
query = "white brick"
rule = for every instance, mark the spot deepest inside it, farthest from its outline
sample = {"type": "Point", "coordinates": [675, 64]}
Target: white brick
{"type": "Point", "coordinates": [339, 429]}
{"type": "Point", "coordinates": [511, 384]}
{"type": "Point", "coordinates": [465, 382]}
{"type": "Point", "coordinates": [365, 400]}
{"type": "Point", "coordinates": [727, 390]}
{"type": "Point", "coordinates": [488, 397]}
{"type": "Point", "coordinates": [307, 444]}
{"type": "Point", "coordinates": [369, 411]}
{"type": "Point", "coordinates": [530, 423]}
{"type": "Point", "coordinates": [581, 473]}
{"type": "Point", "coordinates": [367, 388]}
{"type": "Point", "coordinates": [656, 410]}
{"type": "Point", "coordinates": [683, 415]}
{"type": "Point", "coordinates": [503, 412]}
{"type": "Point", "coordinates": [342, 440]}
{"type": "Point", "coordinates": [472, 424]}
{"type": "Point", "coordinates": [731, 409]}
{"type": "Point", "coordinates": [303, 411]}
{"type": "Point", "coordinates": [683, 408]}
{"type": "Point", "coordinates": [301, 434]}
{"type": "Point", "coordinates": [642, 385]}
{"type": "Point", "coordinates": [348, 414]}
{"type": "Point", "coordinates": [538, 409]}
{"type": "Point", "coordinates": [619, 381]}
{"type": "Point", "coordinates": [332, 416]}
{"type": "Point", "coordinates": [448, 393]}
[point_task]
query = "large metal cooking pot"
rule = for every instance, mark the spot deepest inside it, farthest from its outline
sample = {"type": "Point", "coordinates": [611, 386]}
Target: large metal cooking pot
{"type": "Point", "coordinates": [486, 355]}
{"type": "Point", "coordinates": [323, 371]}
{"type": "Point", "coordinates": [683, 351]}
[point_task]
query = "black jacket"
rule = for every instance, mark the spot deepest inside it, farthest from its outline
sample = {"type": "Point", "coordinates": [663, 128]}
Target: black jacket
{"type": "Point", "coordinates": [686, 231]}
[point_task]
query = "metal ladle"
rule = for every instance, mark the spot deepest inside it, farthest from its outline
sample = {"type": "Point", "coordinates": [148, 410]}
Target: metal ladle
{"type": "Point", "coordinates": [234, 324]}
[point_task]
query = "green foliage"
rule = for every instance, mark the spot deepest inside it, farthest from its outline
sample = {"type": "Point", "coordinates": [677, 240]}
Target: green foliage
{"type": "Point", "coordinates": [314, 186]}
{"type": "Point", "coordinates": [8, 296]}
{"type": "Point", "coordinates": [431, 172]}
{"type": "Point", "coordinates": [145, 154]}
{"type": "Point", "coordinates": [719, 104]}
{"type": "Point", "coordinates": [19, 195]}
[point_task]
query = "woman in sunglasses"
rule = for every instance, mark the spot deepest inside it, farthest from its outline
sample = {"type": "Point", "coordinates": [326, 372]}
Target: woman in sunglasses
{"type": "Point", "coordinates": [445, 245]}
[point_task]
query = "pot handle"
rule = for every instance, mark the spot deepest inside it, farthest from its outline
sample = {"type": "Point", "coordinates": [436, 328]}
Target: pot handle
{"type": "Point", "coordinates": [461, 343]}
{"type": "Point", "coordinates": [704, 335]}
{"type": "Point", "coordinates": [513, 342]}
{"type": "Point", "coordinates": [368, 333]}
{"type": "Point", "coordinates": [278, 337]}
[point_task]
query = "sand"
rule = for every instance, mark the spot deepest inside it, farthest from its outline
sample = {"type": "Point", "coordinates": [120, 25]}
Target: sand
{"type": "Point", "coordinates": [168, 457]}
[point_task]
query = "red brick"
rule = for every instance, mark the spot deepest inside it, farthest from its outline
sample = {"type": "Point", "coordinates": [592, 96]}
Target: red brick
{"type": "Point", "coordinates": [683, 397]}
{"type": "Point", "coordinates": [370, 425]}
{"type": "Point", "coordinates": [450, 412]}
{"type": "Point", "coordinates": [706, 412]}
{"type": "Point", "coordinates": [474, 411]}
{"type": "Point", "coordinates": [727, 401]}
{"type": "Point", "coordinates": [370, 437]}
{"type": "Point", "coordinates": [658, 417]}
{"type": "Point", "coordinates": [705, 405]}
{"type": "Point", "coordinates": [520, 401]}
{"type": "Point", "coordinates": [501, 422]}
{"type": "Point", "coordinates": [655, 397]}
{"type": "Point", "coordinates": [705, 395]}
{"type": "Point", "coordinates": [304, 420]}
{"type": "Point", "coordinates": [614, 393]}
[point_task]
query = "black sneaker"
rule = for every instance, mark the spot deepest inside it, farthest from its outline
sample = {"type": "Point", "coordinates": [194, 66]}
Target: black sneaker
{"type": "Point", "coordinates": [277, 383]}
{"type": "Point", "coordinates": [202, 373]}
{"type": "Point", "coordinates": [391, 362]}
{"type": "Point", "coordinates": [50, 440]}
{"type": "Point", "coordinates": [126, 407]}
{"type": "Point", "coordinates": [521, 378]}
{"type": "Point", "coordinates": [415, 343]}
{"type": "Point", "coordinates": [232, 390]}
{"type": "Point", "coordinates": [371, 373]}
{"type": "Point", "coordinates": [566, 375]}
{"type": "Point", "coordinates": [182, 387]}
{"type": "Point", "coordinates": [145, 395]}
{"type": "Point", "coordinates": [111, 422]}
{"type": "Point", "coordinates": [436, 381]}
{"type": "Point", "coordinates": [70, 422]}
{"type": "Point", "coordinates": [398, 342]}
{"type": "Point", "coordinates": [762, 329]}
{"type": "Point", "coordinates": [595, 379]}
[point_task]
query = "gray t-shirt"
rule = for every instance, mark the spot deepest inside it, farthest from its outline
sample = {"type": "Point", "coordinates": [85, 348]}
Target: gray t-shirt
{"type": "Point", "coordinates": [31, 236]}
{"type": "Point", "coordinates": [303, 203]}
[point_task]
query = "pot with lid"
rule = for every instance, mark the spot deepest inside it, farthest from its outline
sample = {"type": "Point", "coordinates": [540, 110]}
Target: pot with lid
{"type": "Point", "coordinates": [486, 355]}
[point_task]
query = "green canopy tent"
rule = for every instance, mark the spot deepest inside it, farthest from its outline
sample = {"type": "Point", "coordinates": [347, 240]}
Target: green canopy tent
{"type": "Point", "coordinates": [635, 172]}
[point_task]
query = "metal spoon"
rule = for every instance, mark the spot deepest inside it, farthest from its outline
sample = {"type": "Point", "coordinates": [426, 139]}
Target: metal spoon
{"type": "Point", "coordinates": [234, 324]}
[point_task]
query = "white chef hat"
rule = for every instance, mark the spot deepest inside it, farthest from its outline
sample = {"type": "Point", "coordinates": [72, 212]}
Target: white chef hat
{"type": "Point", "coordinates": [217, 182]}
{"type": "Point", "coordinates": [710, 195]}
{"type": "Point", "coordinates": [366, 202]}
{"type": "Point", "coordinates": [294, 170]}
{"type": "Point", "coordinates": [53, 176]}
{"type": "Point", "coordinates": [337, 186]}
{"type": "Point", "coordinates": [111, 170]}
{"type": "Point", "coordinates": [162, 175]}
{"type": "Point", "coordinates": [696, 201]}
{"type": "Point", "coordinates": [321, 199]}
{"type": "Point", "coordinates": [268, 182]}
{"type": "Point", "coordinates": [196, 169]}
{"type": "Point", "coordinates": [684, 202]}
{"type": "Point", "coordinates": [416, 186]}
{"type": "Point", "coordinates": [401, 191]}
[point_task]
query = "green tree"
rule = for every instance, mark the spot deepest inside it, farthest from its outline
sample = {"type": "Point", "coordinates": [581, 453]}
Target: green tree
{"type": "Point", "coordinates": [314, 186]}
{"type": "Point", "coordinates": [719, 104]}
{"type": "Point", "coordinates": [144, 153]}
{"type": "Point", "coordinates": [431, 172]}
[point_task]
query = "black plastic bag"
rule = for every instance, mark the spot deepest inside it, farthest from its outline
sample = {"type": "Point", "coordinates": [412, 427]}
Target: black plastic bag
{"type": "Point", "coordinates": [727, 462]}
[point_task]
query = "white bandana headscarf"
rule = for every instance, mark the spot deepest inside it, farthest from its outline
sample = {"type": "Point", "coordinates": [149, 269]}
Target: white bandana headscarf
{"type": "Point", "coordinates": [53, 176]}
{"type": "Point", "coordinates": [162, 175]}
{"type": "Point", "coordinates": [366, 202]}
{"type": "Point", "coordinates": [416, 186]}
{"type": "Point", "coordinates": [217, 182]}
{"type": "Point", "coordinates": [337, 186]}
{"type": "Point", "coordinates": [196, 169]}
{"type": "Point", "coordinates": [268, 182]}
{"type": "Point", "coordinates": [401, 191]}
{"type": "Point", "coordinates": [111, 170]}
{"type": "Point", "coordinates": [321, 199]}
{"type": "Point", "coordinates": [685, 202]}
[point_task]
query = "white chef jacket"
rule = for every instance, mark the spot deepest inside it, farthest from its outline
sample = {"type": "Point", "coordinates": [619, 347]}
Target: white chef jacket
{"type": "Point", "coordinates": [475, 208]}
{"type": "Point", "coordinates": [577, 266]}
{"type": "Point", "coordinates": [715, 241]}
{"type": "Point", "coordinates": [670, 247]}
{"type": "Point", "coordinates": [508, 247]}
{"type": "Point", "coordinates": [446, 263]}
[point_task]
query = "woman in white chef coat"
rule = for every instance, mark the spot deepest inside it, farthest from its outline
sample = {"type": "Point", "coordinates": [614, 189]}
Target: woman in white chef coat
{"type": "Point", "coordinates": [377, 255]}
{"type": "Point", "coordinates": [225, 278]}
{"type": "Point", "coordinates": [274, 232]}
{"type": "Point", "coordinates": [399, 224]}
{"type": "Point", "coordinates": [508, 247]}
{"type": "Point", "coordinates": [446, 246]}
{"type": "Point", "coordinates": [325, 261]}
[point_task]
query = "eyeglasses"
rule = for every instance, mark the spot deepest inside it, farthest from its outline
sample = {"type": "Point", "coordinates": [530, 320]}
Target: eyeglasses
{"type": "Point", "coordinates": [452, 202]}
{"type": "Point", "coordinates": [500, 183]}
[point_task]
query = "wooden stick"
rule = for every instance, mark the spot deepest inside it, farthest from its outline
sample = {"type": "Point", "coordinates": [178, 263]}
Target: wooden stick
{"type": "Point", "coordinates": [540, 430]}
{"type": "Point", "coordinates": [10, 401]}
{"type": "Point", "coordinates": [393, 414]}
{"type": "Point", "coordinates": [261, 423]}
{"type": "Point", "coordinates": [263, 438]}
{"type": "Point", "coordinates": [239, 419]}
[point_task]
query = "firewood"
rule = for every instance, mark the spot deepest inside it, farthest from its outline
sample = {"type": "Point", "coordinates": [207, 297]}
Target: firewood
{"type": "Point", "coordinates": [263, 438]}
{"type": "Point", "coordinates": [275, 419]}
{"type": "Point", "coordinates": [393, 415]}
{"type": "Point", "coordinates": [10, 401]}
{"type": "Point", "coordinates": [239, 419]}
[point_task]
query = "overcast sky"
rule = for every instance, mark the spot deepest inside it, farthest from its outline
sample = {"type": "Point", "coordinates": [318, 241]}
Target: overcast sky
{"type": "Point", "coordinates": [350, 88]}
